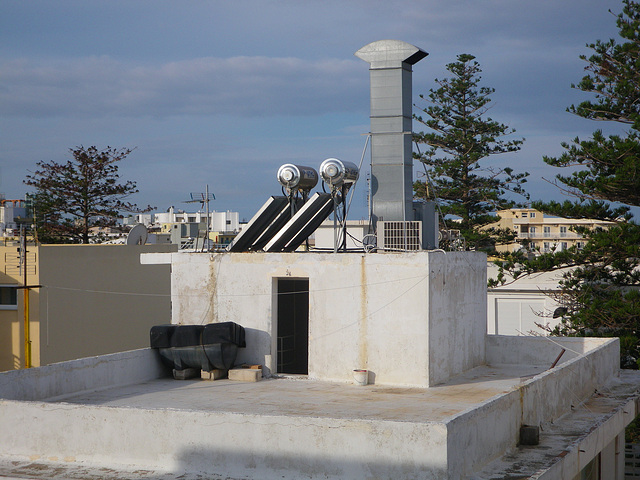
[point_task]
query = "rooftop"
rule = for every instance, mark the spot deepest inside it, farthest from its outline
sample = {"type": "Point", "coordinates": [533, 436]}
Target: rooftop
{"type": "Point", "coordinates": [306, 398]}
{"type": "Point", "coordinates": [119, 416]}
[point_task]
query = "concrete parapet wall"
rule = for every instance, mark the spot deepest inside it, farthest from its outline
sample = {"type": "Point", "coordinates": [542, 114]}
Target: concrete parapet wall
{"type": "Point", "coordinates": [483, 433]}
{"type": "Point", "coordinates": [525, 350]}
{"type": "Point", "coordinates": [486, 432]}
{"type": "Point", "coordinates": [67, 378]}
{"type": "Point", "coordinates": [552, 393]}
{"type": "Point", "coordinates": [226, 444]}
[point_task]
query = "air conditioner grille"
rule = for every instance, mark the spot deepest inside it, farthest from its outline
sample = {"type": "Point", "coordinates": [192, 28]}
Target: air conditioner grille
{"type": "Point", "coordinates": [399, 235]}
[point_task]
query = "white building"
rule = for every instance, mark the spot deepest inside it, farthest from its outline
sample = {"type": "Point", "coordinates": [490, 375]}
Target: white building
{"type": "Point", "coordinates": [10, 212]}
{"type": "Point", "coordinates": [523, 305]}
{"type": "Point", "coordinates": [218, 221]}
{"type": "Point", "coordinates": [445, 400]}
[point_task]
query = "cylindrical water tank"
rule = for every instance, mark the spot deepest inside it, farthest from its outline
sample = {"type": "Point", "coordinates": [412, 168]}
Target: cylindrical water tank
{"type": "Point", "coordinates": [297, 177]}
{"type": "Point", "coordinates": [336, 172]}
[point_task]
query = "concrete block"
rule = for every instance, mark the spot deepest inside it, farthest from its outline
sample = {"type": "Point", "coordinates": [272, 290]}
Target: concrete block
{"type": "Point", "coordinates": [529, 435]}
{"type": "Point", "coordinates": [214, 374]}
{"type": "Point", "coordinates": [245, 374]}
{"type": "Point", "coordinates": [186, 374]}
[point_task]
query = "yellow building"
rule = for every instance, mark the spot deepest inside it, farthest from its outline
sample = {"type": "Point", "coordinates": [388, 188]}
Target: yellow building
{"type": "Point", "coordinates": [545, 233]}
{"type": "Point", "coordinates": [93, 300]}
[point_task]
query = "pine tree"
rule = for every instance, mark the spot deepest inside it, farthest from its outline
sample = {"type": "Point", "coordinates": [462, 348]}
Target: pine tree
{"type": "Point", "coordinates": [601, 294]}
{"type": "Point", "coordinates": [74, 197]}
{"type": "Point", "coordinates": [459, 140]}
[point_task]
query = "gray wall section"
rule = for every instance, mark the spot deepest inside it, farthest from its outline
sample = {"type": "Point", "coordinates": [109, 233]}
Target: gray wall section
{"type": "Point", "coordinates": [99, 299]}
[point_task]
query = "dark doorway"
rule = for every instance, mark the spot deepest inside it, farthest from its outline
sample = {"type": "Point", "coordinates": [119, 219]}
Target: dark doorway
{"type": "Point", "coordinates": [293, 326]}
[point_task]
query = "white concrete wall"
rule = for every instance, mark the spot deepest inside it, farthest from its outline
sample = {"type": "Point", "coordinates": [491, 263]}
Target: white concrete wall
{"type": "Point", "coordinates": [519, 350]}
{"type": "Point", "coordinates": [484, 433]}
{"type": "Point", "coordinates": [225, 444]}
{"type": "Point", "coordinates": [457, 296]}
{"type": "Point", "coordinates": [66, 378]}
{"type": "Point", "coordinates": [519, 313]}
{"type": "Point", "coordinates": [229, 444]}
{"type": "Point", "coordinates": [410, 318]}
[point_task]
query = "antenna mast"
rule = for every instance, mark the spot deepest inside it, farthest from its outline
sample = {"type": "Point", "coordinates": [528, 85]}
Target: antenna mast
{"type": "Point", "coordinates": [203, 199]}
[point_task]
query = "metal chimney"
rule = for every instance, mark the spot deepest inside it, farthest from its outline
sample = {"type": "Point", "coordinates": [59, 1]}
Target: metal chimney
{"type": "Point", "coordinates": [391, 127]}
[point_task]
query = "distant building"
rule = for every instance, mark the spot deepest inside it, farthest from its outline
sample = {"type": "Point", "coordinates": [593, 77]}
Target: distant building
{"type": "Point", "coordinates": [523, 306]}
{"type": "Point", "coordinates": [93, 299]}
{"type": "Point", "coordinates": [13, 213]}
{"type": "Point", "coordinates": [544, 233]}
{"type": "Point", "coordinates": [218, 221]}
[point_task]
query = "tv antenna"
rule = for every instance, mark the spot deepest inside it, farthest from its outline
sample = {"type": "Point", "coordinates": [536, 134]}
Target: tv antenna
{"type": "Point", "coordinates": [203, 199]}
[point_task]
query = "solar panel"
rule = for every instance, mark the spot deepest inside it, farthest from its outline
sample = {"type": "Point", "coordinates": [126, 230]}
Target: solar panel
{"type": "Point", "coordinates": [302, 224]}
{"type": "Point", "coordinates": [271, 211]}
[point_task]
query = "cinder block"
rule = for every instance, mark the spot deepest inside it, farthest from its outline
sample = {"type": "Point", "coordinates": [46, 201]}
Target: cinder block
{"type": "Point", "coordinates": [245, 374]}
{"type": "Point", "coordinates": [529, 435]}
{"type": "Point", "coordinates": [214, 374]}
{"type": "Point", "coordinates": [186, 374]}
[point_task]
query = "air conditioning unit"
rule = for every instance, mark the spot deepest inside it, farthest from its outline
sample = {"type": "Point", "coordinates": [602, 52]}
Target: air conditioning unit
{"type": "Point", "coordinates": [454, 239]}
{"type": "Point", "coordinates": [399, 236]}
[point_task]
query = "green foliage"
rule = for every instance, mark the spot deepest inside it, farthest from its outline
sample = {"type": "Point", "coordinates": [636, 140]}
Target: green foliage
{"type": "Point", "coordinates": [589, 209]}
{"type": "Point", "coordinates": [601, 291]}
{"type": "Point", "coordinates": [460, 137]}
{"type": "Point", "coordinates": [82, 193]}
{"type": "Point", "coordinates": [612, 170]}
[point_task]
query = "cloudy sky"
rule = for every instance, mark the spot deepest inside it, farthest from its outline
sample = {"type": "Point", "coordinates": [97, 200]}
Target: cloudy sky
{"type": "Point", "coordinates": [224, 92]}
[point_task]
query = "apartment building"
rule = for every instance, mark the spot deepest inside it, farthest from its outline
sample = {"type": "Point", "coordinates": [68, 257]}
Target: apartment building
{"type": "Point", "coordinates": [545, 233]}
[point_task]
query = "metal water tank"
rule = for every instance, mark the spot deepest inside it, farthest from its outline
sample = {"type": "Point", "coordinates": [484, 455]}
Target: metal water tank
{"type": "Point", "coordinates": [297, 177]}
{"type": "Point", "coordinates": [337, 172]}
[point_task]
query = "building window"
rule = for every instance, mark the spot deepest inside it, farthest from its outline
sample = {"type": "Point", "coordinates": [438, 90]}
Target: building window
{"type": "Point", "coordinates": [563, 246]}
{"type": "Point", "coordinates": [546, 247]}
{"type": "Point", "coordinates": [532, 214]}
{"type": "Point", "coordinates": [563, 231]}
{"type": "Point", "coordinates": [580, 245]}
{"type": "Point", "coordinates": [532, 232]}
{"type": "Point", "coordinates": [525, 214]}
{"type": "Point", "coordinates": [228, 222]}
{"type": "Point", "coordinates": [547, 231]}
{"type": "Point", "coordinates": [8, 297]}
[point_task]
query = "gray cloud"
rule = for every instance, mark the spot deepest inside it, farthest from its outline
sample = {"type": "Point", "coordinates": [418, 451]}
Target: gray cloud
{"type": "Point", "coordinates": [100, 86]}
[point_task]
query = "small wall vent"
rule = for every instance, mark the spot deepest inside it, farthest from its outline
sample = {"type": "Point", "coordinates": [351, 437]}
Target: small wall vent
{"type": "Point", "coordinates": [399, 236]}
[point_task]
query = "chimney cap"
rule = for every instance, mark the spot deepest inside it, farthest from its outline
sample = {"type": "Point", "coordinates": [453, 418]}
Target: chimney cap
{"type": "Point", "coordinates": [390, 53]}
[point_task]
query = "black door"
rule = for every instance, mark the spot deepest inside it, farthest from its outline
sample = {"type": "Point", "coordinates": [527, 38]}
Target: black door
{"type": "Point", "coordinates": [293, 326]}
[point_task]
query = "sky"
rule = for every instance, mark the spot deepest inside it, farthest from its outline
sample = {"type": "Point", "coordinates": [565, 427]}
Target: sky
{"type": "Point", "coordinates": [222, 93]}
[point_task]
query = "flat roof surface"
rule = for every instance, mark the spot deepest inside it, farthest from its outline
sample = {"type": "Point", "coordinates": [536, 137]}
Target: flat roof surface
{"type": "Point", "coordinates": [302, 397]}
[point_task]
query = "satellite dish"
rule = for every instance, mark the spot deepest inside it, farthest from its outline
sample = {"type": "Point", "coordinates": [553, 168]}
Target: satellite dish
{"type": "Point", "coordinates": [137, 235]}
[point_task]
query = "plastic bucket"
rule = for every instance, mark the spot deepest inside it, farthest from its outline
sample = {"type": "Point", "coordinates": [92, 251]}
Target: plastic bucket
{"type": "Point", "coordinates": [360, 376]}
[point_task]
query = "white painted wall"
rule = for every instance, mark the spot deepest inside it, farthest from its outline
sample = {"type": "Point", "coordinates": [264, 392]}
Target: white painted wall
{"type": "Point", "coordinates": [233, 445]}
{"type": "Point", "coordinates": [92, 373]}
{"type": "Point", "coordinates": [519, 313]}
{"type": "Point", "coordinates": [410, 318]}
{"type": "Point", "coordinates": [520, 306]}
{"type": "Point", "coordinates": [488, 431]}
